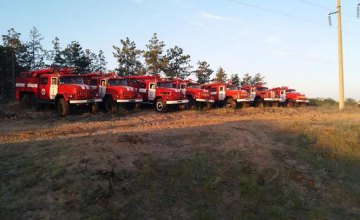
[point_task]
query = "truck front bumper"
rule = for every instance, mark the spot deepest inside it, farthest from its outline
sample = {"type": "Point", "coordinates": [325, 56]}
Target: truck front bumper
{"type": "Point", "coordinates": [271, 99]}
{"type": "Point", "coordinates": [177, 102]}
{"type": "Point", "coordinates": [243, 100]}
{"type": "Point", "coordinates": [85, 101]}
{"type": "Point", "coordinates": [302, 101]}
{"type": "Point", "coordinates": [204, 100]}
{"type": "Point", "coordinates": [129, 100]}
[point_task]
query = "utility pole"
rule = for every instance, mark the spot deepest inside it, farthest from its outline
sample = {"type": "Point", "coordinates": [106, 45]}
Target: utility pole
{"type": "Point", "coordinates": [340, 56]}
{"type": "Point", "coordinates": [341, 62]}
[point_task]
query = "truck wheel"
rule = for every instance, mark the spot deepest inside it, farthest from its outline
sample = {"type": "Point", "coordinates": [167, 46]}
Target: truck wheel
{"type": "Point", "coordinates": [110, 105]}
{"type": "Point", "coordinates": [259, 103]}
{"type": "Point", "coordinates": [245, 105]}
{"type": "Point", "coordinates": [290, 103]}
{"type": "Point", "coordinates": [191, 104]}
{"type": "Point", "coordinates": [206, 106]}
{"type": "Point", "coordinates": [160, 105]}
{"type": "Point", "coordinates": [63, 107]}
{"type": "Point", "coordinates": [26, 101]}
{"type": "Point", "coordinates": [275, 104]}
{"type": "Point", "coordinates": [230, 103]}
{"type": "Point", "coordinates": [94, 108]}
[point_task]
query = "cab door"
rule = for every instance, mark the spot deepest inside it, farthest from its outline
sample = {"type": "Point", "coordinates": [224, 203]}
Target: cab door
{"type": "Point", "coordinates": [221, 93]}
{"type": "Point", "coordinates": [214, 93]}
{"type": "Point", "coordinates": [252, 93]}
{"type": "Point", "coordinates": [53, 87]}
{"type": "Point", "coordinates": [102, 88]}
{"type": "Point", "coordinates": [183, 88]}
{"type": "Point", "coordinates": [44, 88]}
{"type": "Point", "coordinates": [282, 95]}
{"type": "Point", "coordinates": [151, 91]}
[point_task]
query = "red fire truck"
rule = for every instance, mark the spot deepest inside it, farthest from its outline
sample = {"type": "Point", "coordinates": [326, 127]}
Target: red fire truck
{"type": "Point", "coordinates": [261, 96]}
{"type": "Point", "coordinates": [290, 98]}
{"type": "Point", "coordinates": [158, 91]}
{"type": "Point", "coordinates": [61, 88]}
{"type": "Point", "coordinates": [198, 98]}
{"type": "Point", "coordinates": [115, 92]}
{"type": "Point", "coordinates": [229, 95]}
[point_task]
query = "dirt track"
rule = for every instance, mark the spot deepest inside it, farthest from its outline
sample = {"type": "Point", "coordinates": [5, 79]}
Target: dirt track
{"type": "Point", "coordinates": [103, 142]}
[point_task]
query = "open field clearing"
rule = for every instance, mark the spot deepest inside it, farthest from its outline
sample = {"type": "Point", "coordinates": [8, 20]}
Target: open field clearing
{"type": "Point", "coordinates": [271, 163]}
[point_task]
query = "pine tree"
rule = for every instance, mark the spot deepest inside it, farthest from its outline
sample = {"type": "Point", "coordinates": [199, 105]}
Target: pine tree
{"type": "Point", "coordinates": [178, 64]}
{"type": "Point", "coordinates": [220, 75]}
{"type": "Point", "coordinates": [258, 79]}
{"type": "Point", "coordinates": [246, 80]}
{"type": "Point", "coordinates": [203, 72]}
{"type": "Point", "coordinates": [128, 58]}
{"type": "Point", "coordinates": [35, 51]}
{"type": "Point", "coordinates": [235, 80]}
{"type": "Point", "coordinates": [76, 58]}
{"type": "Point", "coordinates": [12, 42]}
{"type": "Point", "coordinates": [155, 62]}
{"type": "Point", "coordinates": [101, 66]}
{"type": "Point", "coordinates": [55, 56]}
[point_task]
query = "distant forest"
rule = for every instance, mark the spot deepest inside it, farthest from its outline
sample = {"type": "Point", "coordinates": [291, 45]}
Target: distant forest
{"type": "Point", "coordinates": [19, 56]}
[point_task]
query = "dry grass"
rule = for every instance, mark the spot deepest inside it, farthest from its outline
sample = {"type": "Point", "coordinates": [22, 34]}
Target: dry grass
{"type": "Point", "coordinates": [222, 164]}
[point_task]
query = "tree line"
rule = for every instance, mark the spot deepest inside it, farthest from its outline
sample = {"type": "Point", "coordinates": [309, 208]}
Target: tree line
{"type": "Point", "coordinates": [155, 59]}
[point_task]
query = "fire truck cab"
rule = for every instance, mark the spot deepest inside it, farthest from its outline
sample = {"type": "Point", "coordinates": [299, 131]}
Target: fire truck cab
{"type": "Point", "coordinates": [228, 95]}
{"type": "Point", "coordinates": [198, 98]}
{"type": "Point", "coordinates": [61, 88]}
{"type": "Point", "coordinates": [158, 91]}
{"type": "Point", "coordinates": [115, 92]}
{"type": "Point", "coordinates": [290, 98]}
{"type": "Point", "coordinates": [261, 96]}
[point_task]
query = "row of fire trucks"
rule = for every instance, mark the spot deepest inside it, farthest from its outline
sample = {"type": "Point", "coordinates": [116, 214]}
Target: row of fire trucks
{"type": "Point", "coordinates": [66, 90]}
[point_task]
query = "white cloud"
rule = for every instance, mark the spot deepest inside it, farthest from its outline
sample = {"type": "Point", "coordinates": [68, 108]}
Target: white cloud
{"type": "Point", "coordinates": [212, 17]}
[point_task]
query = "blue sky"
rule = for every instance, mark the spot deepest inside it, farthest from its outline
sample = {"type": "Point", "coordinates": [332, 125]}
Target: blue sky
{"type": "Point", "coordinates": [288, 41]}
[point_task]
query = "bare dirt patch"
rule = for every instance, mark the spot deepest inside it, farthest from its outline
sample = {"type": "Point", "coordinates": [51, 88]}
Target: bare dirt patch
{"type": "Point", "coordinates": [147, 165]}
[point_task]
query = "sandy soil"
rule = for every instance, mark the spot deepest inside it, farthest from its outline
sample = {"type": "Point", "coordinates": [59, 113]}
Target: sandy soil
{"type": "Point", "coordinates": [106, 142]}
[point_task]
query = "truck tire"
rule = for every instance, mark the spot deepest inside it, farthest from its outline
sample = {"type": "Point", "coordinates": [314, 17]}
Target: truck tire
{"type": "Point", "coordinates": [94, 108]}
{"type": "Point", "coordinates": [110, 105]}
{"type": "Point", "coordinates": [245, 105]}
{"type": "Point", "coordinates": [63, 107]}
{"type": "Point", "coordinates": [191, 105]}
{"type": "Point", "coordinates": [160, 105]}
{"type": "Point", "coordinates": [259, 103]}
{"type": "Point", "coordinates": [290, 103]}
{"type": "Point", "coordinates": [26, 100]}
{"type": "Point", "coordinates": [230, 104]}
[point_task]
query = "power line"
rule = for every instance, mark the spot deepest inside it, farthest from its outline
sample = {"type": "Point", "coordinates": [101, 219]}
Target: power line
{"type": "Point", "coordinates": [288, 15]}
{"type": "Point", "coordinates": [325, 8]}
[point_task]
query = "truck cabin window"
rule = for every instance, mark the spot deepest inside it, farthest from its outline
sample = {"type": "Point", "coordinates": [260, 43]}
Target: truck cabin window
{"type": "Point", "coordinates": [174, 86]}
{"type": "Point", "coordinates": [164, 85]}
{"type": "Point", "coordinates": [53, 81]}
{"type": "Point", "coordinates": [117, 82]}
{"type": "Point", "coordinates": [195, 86]}
{"type": "Point", "coordinates": [71, 80]}
{"type": "Point", "coordinates": [232, 88]}
{"type": "Point", "coordinates": [221, 88]}
{"type": "Point", "coordinates": [44, 81]}
{"type": "Point", "coordinates": [182, 86]}
{"type": "Point", "coordinates": [213, 89]}
{"type": "Point", "coordinates": [262, 88]}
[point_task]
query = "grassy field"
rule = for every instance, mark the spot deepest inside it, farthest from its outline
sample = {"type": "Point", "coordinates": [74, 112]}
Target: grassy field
{"type": "Point", "coordinates": [273, 163]}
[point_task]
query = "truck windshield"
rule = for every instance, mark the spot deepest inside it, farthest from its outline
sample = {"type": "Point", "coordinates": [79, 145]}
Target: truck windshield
{"type": "Point", "coordinates": [164, 84]}
{"type": "Point", "coordinates": [262, 88]}
{"type": "Point", "coordinates": [290, 91]}
{"type": "Point", "coordinates": [71, 80]}
{"type": "Point", "coordinates": [195, 86]}
{"type": "Point", "coordinates": [232, 88]}
{"type": "Point", "coordinates": [117, 82]}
